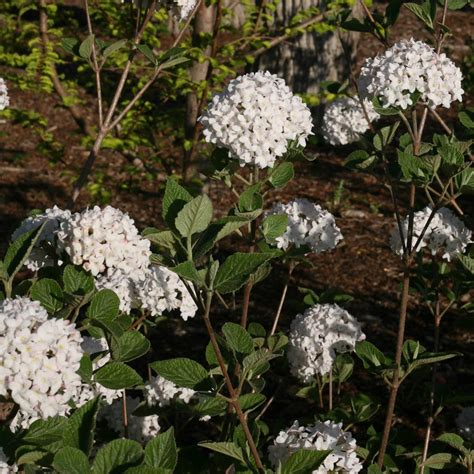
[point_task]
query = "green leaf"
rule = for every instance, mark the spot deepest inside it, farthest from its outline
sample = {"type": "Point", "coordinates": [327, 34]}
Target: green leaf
{"type": "Point", "coordinates": [114, 47]}
{"type": "Point", "coordinates": [19, 251]}
{"type": "Point", "coordinates": [360, 159]}
{"type": "Point", "coordinates": [257, 362]}
{"type": "Point", "coordinates": [71, 45]}
{"type": "Point", "coordinates": [371, 356]}
{"type": "Point", "coordinates": [181, 371]}
{"type": "Point", "coordinates": [225, 448]}
{"type": "Point", "coordinates": [80, 427]}
{"type": "Point", "coordinates": [85, 49]}
{"type": "Point", "coordinates": [237, 338]}
{"type": "Point", "coordinates": [217, 231]}
{"type": "Point", "coordinates": [161, 451]}
{"type": "Point", "coordinates": [129, 346]}
{"type": "Point", "coordinates": [466, 117]}
{"type": "Point", "coordinates": [174, 62]}
{"type": "Point", "coordinates": [48, 293]}
{"type": "Point", "coordinates": [465, 181]}
{"type": "Point", "coordinates": [173, 201]}
{"type": "Point", "coordinates": [117, 456]}
{"type": "Point", "coordinates": [381, 110]}
{"type": "Point", "coordinates": [304, 461]}
{"type": "Point", "coordinates": [429, 358]}
{"type": "Point", "coordinates": [187, 271]}
{"type": "Point", "coordinates": [104, 305]}
{"type": "Point", "coordinates": [251, 401]}
{"type": "Point", "coordinates": [237, 268]}
{"type": "Point", "coordinates": [77, 281]}
{"type": "Point", "coordinates": [421, 13]}
{"type": "Point", "coordinates": [148, 53]}
{"type": "Point", "coordinates": [440, 461]}
{"type": "Point", "coordinates": [71, 461]}
{"type": "Point", "coordinates": [251, 199]}
{"type": "Point", "coordinates": [374, 469]}
{"type": "Point", "coordinates": [43, 432]}
{"type": "Point", "coordinates": [164, 239]}
{"type": "Point", "coordinates": [453, 440]}
{"type": "Point", "coordinates": [85, 369]}
{"type": "Point", "coordinates": [117, 375]}
{"type": "Point", "coordinates": [384, 136]}
{"type": "Point", "coordinates": [274, 226]}
{"type": "Point", "coordinates": [195, 216]}
{"type": "Point", "coordinates": [282, 174]}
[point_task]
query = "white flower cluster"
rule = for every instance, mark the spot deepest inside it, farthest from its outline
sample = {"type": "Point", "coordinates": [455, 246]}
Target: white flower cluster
{"type": "Point", "coordinates": [465, 423]}
{"type": "Point", "coordinates": [6, 468]}
{"type": "Point", "coordinates": [4, 98]}
{"type": "Point", "coordinates": [308, 224]}
{"type": "Point", "coordinates": [320, 436]}
{"type": "Point", "coordinates": [45, 250]}
{"type": "Point", "coordinates": [39, 359]}
{"type": "Point", "coordinates": [317, 335]}
{"type": "Point", "coordinates": [86, 392]}
{"type": "Point", "coordinates": [408, 67]}
{"type": "Point", "coordinates": [162, 290]}
{"type": "Point", "coordinates": [255, 117]}
{"type": "Point", "coordinates": [344, 120]}
{"type": "Point", "coordinates": [445, 233]}
{"type": "Point", "coordinates": [140, 428]}
{"type": "Point", "coordinates": [161, 391]}
{"type": "Point", "coordinates": [102, 239]}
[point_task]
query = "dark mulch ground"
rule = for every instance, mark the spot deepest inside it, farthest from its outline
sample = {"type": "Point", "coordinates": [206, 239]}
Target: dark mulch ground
{"type": "Point", "coordinates": [362, 266]}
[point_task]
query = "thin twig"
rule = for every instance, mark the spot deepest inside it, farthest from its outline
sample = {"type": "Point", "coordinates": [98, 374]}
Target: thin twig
{"type": "Point", "coordinates": [95, 64]}
{"type": "Point", "coordinates": [109, 124]}
{"type": "Point", "coordinates": [291, 267]}
{"type": "Point", "coordinates": [230, 388]}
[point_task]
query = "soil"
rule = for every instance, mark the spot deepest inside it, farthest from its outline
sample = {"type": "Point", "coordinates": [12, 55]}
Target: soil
{"type": "Point", "coordinates": [362, 266]}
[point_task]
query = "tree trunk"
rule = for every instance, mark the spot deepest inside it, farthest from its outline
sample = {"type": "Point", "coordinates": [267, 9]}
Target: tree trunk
{"type": "Point", "coordinates": [203, 24]}
{"type": "Point", "coordinates": [307, 60]}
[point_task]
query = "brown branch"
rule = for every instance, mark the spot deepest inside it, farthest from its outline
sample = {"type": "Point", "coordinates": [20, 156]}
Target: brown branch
{"type": "Point", "coordinates": [109, 123]}
{"type": "Point", "coordinates": [234, 400]}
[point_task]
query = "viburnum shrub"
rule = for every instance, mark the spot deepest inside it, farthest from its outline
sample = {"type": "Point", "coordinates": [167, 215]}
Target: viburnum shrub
{"type": "Point", "coordinates": [82, 388]}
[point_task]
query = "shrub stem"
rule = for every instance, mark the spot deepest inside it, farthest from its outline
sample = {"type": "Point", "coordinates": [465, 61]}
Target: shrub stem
{"type": "Point", "coordinates": [230, 388]}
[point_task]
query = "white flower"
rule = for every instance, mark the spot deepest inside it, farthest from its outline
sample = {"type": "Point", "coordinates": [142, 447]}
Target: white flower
{"type": "Point", "coordinates": [6, 468]}
{"type": "Point", "coordinates": [103, 239]}
{"type": "Point", "coordinates": [124, 287]}
{"type": "Point", "coordinates": [317, 335]}
{"type": "Point", "coordinates": [162, 290]}
{"type": "Point", "coordinates": [4, 99]}
{"type": "Point", "coordinates": [161, 391]}
{"type": "Point", "coordinates": [255, 117]}
{"type": "Point", "coordinates": [45, 250]}
{"type": "Point", "coordinates": [344, 120]}
{"type": "Point", "coordinates": [308, 224]}
{"type": "Point", "coordinates": [93, 347]}
{"type": "Point", "coordinates": [140, 428]}
{"type": "Point", "coordinates": [408, 67]}
{"type": "Point", "coordinates": [319, 437]}
{"type": "Point", "coordinates": [39, 359]}
{"type": "Point", "coordinates": [445, 234]}
{"type": "Point", "coordinates": [465, 423]}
